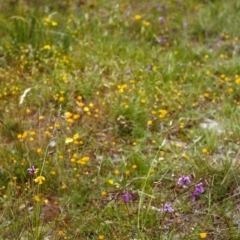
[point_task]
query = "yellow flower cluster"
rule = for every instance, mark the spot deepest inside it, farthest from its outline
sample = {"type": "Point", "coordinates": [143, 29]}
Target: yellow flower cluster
{"type": "Point", "coordinates": [70, 117]}
{"type": "Point", "coordinates": [145, 23]}
{"type": "Point", "coordinates": [74, 139]}
{"type": "Point", "coordinates": [86, 108]}
{"type": "Point", "coordinates": [162, 113]}
{"type": "Point", "coordinates": [121, 88]}
{"type": "Point", "coordinates": [48, 21]}
{"type": "Point", "coordinates": [24, 135]}
{"type": "Point", "coordinates": [82, 161]}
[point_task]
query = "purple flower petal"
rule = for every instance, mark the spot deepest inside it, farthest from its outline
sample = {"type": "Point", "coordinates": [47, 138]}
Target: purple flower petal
{"type": "Point", "coordinates": [31, 170]}
{"type": "Point", "coordinates": [198, 190]}
{"type": "Point", "coordinates": [127, 197]}
{"type": "Point", "coordinates": [161, 20]}
{"type": "Point", "coordinates": [184, 180]}
{"type": "Point", "coordinates": [167, 208]}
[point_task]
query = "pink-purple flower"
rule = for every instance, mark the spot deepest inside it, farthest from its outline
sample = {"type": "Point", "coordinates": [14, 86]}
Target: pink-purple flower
{"type": "Point", "coordinates": [127, 197]}
{"type": "Point", "coordinates": [198, 190]}
{"type": "Point", "coordinates": [162, 41]}
{"type": "Point", "coordinates": [167, 208]}
{"type": "Point", "coordinates": [32, 170]}
{"type": "Point", "coordinates": [161, 20]}
{"type": "Point", "coordinates": [184, 180]}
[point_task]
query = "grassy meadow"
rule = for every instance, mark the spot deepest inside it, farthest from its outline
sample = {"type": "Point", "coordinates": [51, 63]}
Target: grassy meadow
{"type": "Point", "coordinates": [119, 119]}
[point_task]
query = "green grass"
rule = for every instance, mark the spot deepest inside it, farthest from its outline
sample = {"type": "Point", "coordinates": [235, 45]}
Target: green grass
{"type": "Point", "coordinates": [112, 98]}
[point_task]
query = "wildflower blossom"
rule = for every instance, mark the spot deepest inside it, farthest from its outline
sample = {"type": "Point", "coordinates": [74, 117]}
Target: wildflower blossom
{"type": "Point", "coordinates": [161, 20]}
{"type": "Point", "coordinates": [61, 99]}
{"type": "Point", "coordinates": [149, 68]}
{"type": "Point", "coordinates": [184, 180]}
{"type": "Point", "coordinates": [145, 23]}
{"type": "Point", "coordinates": [237, 81]}
{"type": "Point", "coordinates": [137, 17]}
{"type": "Point", "coordinates": [162, 112]}
{"type": "Point", "coordinates": [103, 193]}
{"type": "Point", "coordinates": [68, 140]}
{"type": "Point", "coordinates": [32, 170]}
{"type": "Point", "coordinates": [198, 190]}
{"type": "Point", "coordinates": [37, 198]}
{"type": "Point", "coordinates": [149, 122]}
{"type": "Point", "coordinates": [167, 208]}
{"type": "Point", "coordinates": [162, 41]}
{"type": "Point", "coordinates": [127, 196]}
{"type": "Point", "coordinates": [204, 150]}
{"type": "Point", "coordinates": [39, 179]}
{"type": "Point", "coordinates": [68, 115]}
{"type": "Point", "coordinates": [76, 136]}
{"type": "Point", "coordinates": [203, 235]}
{"type": "Point", "coordinates": [47, 19]}
{"type": "Point", "coordinates": [54, 23]}
{"type": "Point", "coordinates": [111, 181]}
{"type": "Point", "coordinates": [47, 47]}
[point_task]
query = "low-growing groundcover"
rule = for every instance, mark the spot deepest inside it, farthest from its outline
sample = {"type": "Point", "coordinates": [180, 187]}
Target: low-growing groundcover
{"type": "Point", "coordinates": [119, 119]}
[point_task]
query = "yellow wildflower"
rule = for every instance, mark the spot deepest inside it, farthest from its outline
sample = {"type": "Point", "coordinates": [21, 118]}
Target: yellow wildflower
{"type": "Point", "coordinates": [85, 159]}
{"type": "Point", "coordinates": [76, 136]}
{"type": "Point", "coordinates": [61, 99]}
{"type": "Point", "coordinates": [68, 140]}
{"type": "Point", "coordinates": [203, 235]}
{"type": "Point", "coordinates": [145, 23]}
{"type": "Point", "coordinates": [39, 179]}
{"type": "Point", "coordinates": [137, 17]}
{"type": "Point", "coordinates": [54, 23]}
{"type": "Point", "coordinates": [111, 181]}
{"type": "Point", "coordinates": [149, 122]}
{"type": "Point", "coordinates": [47, 47]}
{"type": "Point", "coordinates": [68, 115]}
{"type": "Point", "coordinates": [237, 81]}
{"type": "Point", "coordinates": [103, 193]}
{"type": "Point", "coordinates": [204, 150]}
{"type": "Point", "coordinates": [37, 198]}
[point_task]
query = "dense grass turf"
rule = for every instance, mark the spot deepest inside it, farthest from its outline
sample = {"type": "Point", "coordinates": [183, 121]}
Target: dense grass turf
{"type": "Point", "coordinates": [119, 119]}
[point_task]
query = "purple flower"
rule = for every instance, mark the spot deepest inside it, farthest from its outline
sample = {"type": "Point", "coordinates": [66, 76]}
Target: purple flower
{"type": "Point", "coordinates": [167, 208]}
{"type": "Point", "coordinates": [198, 190]}
{"type": "Point", "coordinates": [32, 170]}
{"type": "Point", "coordinates": [162, 41]}
{"type": "Point", "coordinates": [161, 20]}
{"type": "Point", "coordinates": [127, 196]}
{"type": "Point", "coordinates": [149, 68]}
{"type": "Point", "coordinates": [184, 180]}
